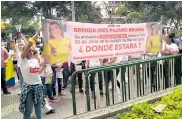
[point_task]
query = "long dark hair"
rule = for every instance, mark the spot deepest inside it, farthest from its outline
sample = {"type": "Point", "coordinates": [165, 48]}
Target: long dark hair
{"type": "Point", "coordinates": [171, 36]}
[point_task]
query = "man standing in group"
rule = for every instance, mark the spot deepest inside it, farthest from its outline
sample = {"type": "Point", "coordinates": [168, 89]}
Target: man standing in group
{"type": "Point", "coordinates": [4, 57]}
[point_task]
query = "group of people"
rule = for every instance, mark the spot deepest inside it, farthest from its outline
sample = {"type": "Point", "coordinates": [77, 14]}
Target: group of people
{"type": "Point", "coordinates": [38, 79]}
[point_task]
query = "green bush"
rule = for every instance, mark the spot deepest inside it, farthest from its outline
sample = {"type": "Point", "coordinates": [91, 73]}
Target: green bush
{"type": "Point", "coordinates": [144, 110]}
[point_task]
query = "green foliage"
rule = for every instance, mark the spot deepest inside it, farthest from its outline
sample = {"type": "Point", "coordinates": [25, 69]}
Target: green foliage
{"type": "Point", "coordinates": [145, 111]}
{"type": "Point", "coordinates": [15, 10]}
{"type": "Point", "coordinates": [175, 30]}
{"type": "Point", "coordinates": [87, 12]}
{"type": "Point", "coordinates": [47, 8]}
{"type": "Point", "coordinates": [30, 28]}
{"type": "Point", "coordinates": [150, 11]}
{"type": "Point", "coordinates": [23, 12]}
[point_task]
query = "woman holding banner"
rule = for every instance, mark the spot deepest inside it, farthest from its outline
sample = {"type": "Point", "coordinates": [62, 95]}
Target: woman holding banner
{"type": "Point", "coordinates": [169, 48]}
{"type": "Point", "coordinates": [57, 48]}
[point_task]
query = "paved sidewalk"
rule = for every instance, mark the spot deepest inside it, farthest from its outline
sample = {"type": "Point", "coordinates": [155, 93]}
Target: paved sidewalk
{"type": "Point", "coordinates": [64, 109]}
{"type": "Point", "coordinates": [10, 104]}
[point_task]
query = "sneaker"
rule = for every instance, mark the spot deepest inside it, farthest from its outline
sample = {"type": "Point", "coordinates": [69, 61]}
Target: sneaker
{"type": "Point", "coordinates": [54, 98]}
{"type": "Point", "coordinates": [101, 92]}
{"type": "Point", "coordinates": [19, 92]}
{"type": "Point", "coordinates": [52, 101]}
{"type": "Point", "coordinates": [7, 92]}
{"type": "Point", "coordinates": [32, 117]}
{"type": "Point", "coordinates": [51, 111]}
{"type": "Point", "coordinates": [81, 91]}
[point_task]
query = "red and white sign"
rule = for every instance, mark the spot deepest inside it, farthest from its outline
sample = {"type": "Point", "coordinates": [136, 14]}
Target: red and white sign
{"type": "Point", "coordinates": [98, 41]}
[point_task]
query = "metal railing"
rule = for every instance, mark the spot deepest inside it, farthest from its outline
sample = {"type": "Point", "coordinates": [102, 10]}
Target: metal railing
{"type": "Point", "coordinates": [129, 80]}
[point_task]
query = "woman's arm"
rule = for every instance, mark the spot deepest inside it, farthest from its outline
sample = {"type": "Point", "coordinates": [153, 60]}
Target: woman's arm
{"type": "Point", "coordinates": [101, 61]}
{"type": "Point", "coordinates": [112, 60]}
{"type": "Point", "coordinates": [87, 64]}
{"type": "Point", "coordinates": [24, 39]}
{"type": "Point", "coordinates": [29, 45]}
{"type": "Point", "coordinates": [59, 66]}
{"type": "Point", "coordinates": [42, 68]}
{"type": "Point", "coordinates": [9, 57]}
{"type": "Point", "coordinates": [176, 50]}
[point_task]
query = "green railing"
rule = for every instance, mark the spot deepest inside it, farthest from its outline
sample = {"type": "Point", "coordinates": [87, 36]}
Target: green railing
{"type": "Point", "coordinates": [143, 76]}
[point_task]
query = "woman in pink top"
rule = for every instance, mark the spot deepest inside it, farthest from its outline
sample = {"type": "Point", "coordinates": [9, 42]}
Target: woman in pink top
{"type": "Point", "coordinates": [4, 57]}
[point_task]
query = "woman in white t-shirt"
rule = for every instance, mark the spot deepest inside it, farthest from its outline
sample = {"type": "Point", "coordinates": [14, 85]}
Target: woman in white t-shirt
{"type": "Point", "coordinates": [169, 47]}
{"type": "Point", "coordinates": [95, 63]}
{"type": "Point", "coordinates": [32, 93]}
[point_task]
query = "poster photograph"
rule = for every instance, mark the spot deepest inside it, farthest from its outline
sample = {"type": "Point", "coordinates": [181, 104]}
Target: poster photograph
{"type": "Point", "coordinates": [154, 41]}
{"type": "Point", "coordinates": [57, 48]}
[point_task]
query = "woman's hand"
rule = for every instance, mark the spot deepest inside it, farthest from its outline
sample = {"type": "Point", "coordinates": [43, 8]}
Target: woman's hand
{"type": "Point", "coordinates": [5, 62]}
{"type": "Point", "coordinates": [29, 45]}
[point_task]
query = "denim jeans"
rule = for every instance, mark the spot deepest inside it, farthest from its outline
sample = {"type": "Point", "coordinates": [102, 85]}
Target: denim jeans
{"type": "Point", "coordinates": [29, 103]}
{"type": "Point", "coordinates": [54, 81]}
{"type": "Point", "coordinates": [47, 88]}
{"type": "Point", "coordinates": [65, 76]}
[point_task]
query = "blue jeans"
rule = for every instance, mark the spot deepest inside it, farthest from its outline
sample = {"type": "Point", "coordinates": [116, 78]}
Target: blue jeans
{"type": "Point", "coordinates": [65, 76]}
{"type": "Point", "coordinates": [54, 81]}
{"type": "Point", "coordinates": [47, 88]}
{"type": "Point", "coordinates": [29, 103]}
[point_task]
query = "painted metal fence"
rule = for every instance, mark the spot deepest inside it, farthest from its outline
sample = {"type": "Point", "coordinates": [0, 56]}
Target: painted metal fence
{"type": "Point", "coordinates": [128, 80]}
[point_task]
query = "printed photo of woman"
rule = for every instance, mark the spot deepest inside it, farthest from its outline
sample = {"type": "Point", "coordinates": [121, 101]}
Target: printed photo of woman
{"type": "Point", "coordinates": [57, 48]}
{"type": "Point", "coordinates": [154, 43]}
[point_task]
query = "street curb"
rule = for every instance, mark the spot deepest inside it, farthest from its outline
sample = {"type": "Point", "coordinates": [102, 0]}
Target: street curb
{"type": "Point", "coordinates": [114, 109]}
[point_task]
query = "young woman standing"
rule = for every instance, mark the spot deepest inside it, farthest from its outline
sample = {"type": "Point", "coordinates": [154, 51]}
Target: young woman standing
{"type": "Point", "coordinates": [32, 89]}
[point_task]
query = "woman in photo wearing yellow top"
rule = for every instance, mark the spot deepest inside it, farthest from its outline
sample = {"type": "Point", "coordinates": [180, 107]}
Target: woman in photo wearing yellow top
{"type": "Point", "coordinates": [57, 48]}
{"type": "Point", "coordinates": [154, 42]}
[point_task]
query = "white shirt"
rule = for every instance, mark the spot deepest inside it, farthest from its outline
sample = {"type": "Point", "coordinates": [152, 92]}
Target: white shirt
{"type": "Point", "coordinates": [42, 74]}
{"type": "Point", "coordinates": [14, 58]}
{"type": "Point", "coordinates": [94, 63]}
{"type": "Point", "coordinates": [30, 71]}
{"type": "Point", "coordinates": [48, 71]}
{"type": "Point", "coordinates": [59, 74]}
{"type": "Point", "coordinates": [171, 47]}
{"type": "Point", "coordinates": [18, 57]}
{"type": "Point", "coordinates": [121, 59]}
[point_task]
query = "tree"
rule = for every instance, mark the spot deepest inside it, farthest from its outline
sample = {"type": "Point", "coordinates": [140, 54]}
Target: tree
{"type": "Point", "coordinates": [85, 11]}
{"type": "Point", "coordinates": [16, 10]}
{"type": "Point", "coordinates": [60, 7]}
{"type": "Point", "coordinates": [150, 11]}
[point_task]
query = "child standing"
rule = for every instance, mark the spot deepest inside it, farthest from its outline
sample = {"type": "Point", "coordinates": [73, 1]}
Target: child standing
{"type": "Point", "coordinates": [46, 77]}
{"type": "Point", "coordinates": [59, 76]}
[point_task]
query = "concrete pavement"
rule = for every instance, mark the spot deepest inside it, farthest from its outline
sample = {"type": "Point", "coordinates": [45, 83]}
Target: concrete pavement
{"type": "Point", "coordinates": [10, 104]}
